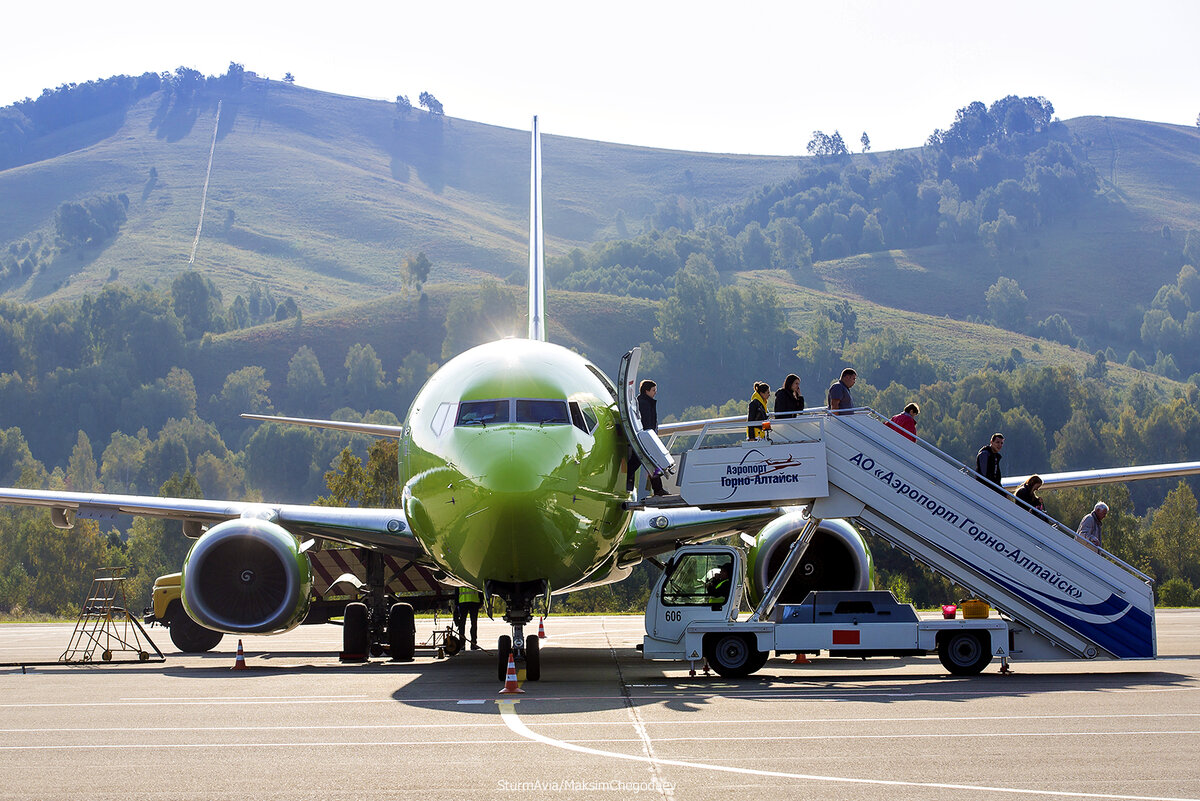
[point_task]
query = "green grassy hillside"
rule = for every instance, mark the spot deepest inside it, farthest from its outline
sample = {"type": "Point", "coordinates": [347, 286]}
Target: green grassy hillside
{"type": "Point", "coordinates": [1094, 265]}
{"type": "Point", "coordinates": [965, 345]}
{"type": "Point", "coordinates": [321, 196]}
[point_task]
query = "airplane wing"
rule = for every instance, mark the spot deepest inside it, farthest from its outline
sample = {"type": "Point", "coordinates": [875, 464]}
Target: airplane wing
{"type": "Point", "coordinates": [1112, 475]}
{"type": "Point", "coordinates": [655, 531]}
{"type": "Point", "coordinates": [384, 530]}
{"type": "Point", "coordinates": [372, 429]}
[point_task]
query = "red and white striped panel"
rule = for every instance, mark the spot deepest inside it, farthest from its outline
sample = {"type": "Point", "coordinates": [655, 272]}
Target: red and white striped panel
{"type": "Point", "coordinates": [403, 577]}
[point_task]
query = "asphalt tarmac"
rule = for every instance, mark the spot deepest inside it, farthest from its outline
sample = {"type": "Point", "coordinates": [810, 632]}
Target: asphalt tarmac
{"type": "Point", "coordinates": [602, 723]}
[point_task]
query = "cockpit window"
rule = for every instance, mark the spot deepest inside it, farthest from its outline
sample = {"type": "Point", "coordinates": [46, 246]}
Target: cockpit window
{"type": "Point", "coordinates": [482, 413]}
{"type": "Point", "coordinates": [583, 418]}
{"type": "Point", "coordinates": [543, 412]}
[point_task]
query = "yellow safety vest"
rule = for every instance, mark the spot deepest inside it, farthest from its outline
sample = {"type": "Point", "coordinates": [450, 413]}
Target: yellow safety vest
{"type": "Point", "coordinates": [466, 595]}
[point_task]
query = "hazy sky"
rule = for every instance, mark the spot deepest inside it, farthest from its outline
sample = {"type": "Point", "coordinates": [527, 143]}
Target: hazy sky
{"type": "Point", "coordinates": [687, 75]}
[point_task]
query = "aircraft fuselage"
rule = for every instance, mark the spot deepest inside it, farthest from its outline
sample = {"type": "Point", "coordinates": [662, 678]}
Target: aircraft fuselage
{"type": "Point", "coordinates": [512, 466]}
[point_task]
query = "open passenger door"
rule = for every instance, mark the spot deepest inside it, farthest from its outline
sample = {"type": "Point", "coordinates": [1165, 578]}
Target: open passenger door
{"type": "Point", "coordinates": [645, 444]}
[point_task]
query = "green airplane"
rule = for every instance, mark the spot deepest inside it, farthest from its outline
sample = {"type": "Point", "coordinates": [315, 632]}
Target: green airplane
{"type": "Point", "coordinates": [513, 463]}
{"type": "Point", "coordinates": [513, 472]}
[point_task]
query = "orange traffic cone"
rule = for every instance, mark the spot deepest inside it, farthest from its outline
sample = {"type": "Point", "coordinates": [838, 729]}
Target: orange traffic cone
{"type": "Point", "coordinates": [800, 659]}
{"type": "Point", "coordinates": [510, 677]}
{"type": "Point", "coordinates": [541, 629]}
{"type": "Point", "coordinates": [240, 662]}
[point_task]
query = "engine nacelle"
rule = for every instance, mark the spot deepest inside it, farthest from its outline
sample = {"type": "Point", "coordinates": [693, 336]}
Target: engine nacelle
{"type": "Point", "coordinates": [247, 576]}
{"type": "Point", "coordinates": [837, 558]}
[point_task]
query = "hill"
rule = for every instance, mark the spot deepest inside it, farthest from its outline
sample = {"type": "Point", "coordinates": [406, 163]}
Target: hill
{"type": "Point", "coordinates": [1096, 265]}
{"type": "Point", "coordinates": [321, 196]}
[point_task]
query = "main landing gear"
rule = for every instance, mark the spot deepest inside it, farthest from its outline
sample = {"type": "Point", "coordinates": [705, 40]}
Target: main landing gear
{"type": "Point", "coordinates": [381, 627]}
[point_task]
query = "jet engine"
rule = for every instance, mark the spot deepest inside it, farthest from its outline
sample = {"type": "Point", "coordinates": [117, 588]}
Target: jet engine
{"type": "Point", "coordinates": [247, 576]}
{"type": "Point", "coordinates": [837, 558]}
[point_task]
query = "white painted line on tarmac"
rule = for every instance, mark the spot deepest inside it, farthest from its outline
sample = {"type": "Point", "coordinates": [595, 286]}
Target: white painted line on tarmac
{"type": "Point", "coordinates": [238, 697]}
{"type": "Point", "coordinates": [583, 724]}
{"type": "Point", "coordinates": [323, 744]}
{"type": "Point", "coordinates": [508, 714]}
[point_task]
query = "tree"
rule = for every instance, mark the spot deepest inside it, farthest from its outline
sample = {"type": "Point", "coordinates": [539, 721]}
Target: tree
{"type": "Point", "coordinates": [364, 375]}
{"type": "Point", "coordinates": [756, 251]}
{"type": "Point", "coordinates": [377, 485]}
{"type": "Point", "coordinates": [245, 390]}
{"type": "Point", "coordinates": [822, 144]}
{"type": "Point", "coordinates": [866, 142]}
{"type": "Point", "coordinates": [1173, 532]}
{"type": "Point", "coordinates": [197, 303]}
{"type": "Point", "coordinates": [288, 78]}
{"type": "Point", "coordinates": [792, 244]}
{"type": "Point", "coordinates": [1007, 304]}
{"type": "Point", "coordinates": [305, 380]}
{"type": "Point", "coordinates": [82, 470]}
{"type": "Point", "coordinates": [416, 270]}
{"type": "Point", "coordinates": [403, 104]}
{"type": "Point", "coordinates": [430, 104]}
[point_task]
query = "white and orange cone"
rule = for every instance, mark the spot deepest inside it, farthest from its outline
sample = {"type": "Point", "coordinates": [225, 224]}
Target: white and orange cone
{"type": "Point", "coordinates": [240, 662]}
{"type": "Point", "coordinates": [800, 659]}
{"type": "Point", "coordinates": [541, 629]}
{"type": "Point", "coordinates": [510, 678]}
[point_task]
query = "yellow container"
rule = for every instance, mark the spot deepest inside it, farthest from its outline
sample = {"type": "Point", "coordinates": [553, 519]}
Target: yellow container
{"type": "Point", "coordinates": [974, 609]}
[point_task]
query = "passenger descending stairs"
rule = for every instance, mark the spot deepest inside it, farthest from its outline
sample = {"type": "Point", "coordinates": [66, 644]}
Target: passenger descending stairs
{"type": "Point", "coordinates": [1087, 604]}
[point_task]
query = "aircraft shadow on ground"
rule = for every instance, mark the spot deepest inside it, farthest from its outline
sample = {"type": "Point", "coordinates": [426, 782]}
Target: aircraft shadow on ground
{"type": "Point", "coordinates": [592, 679]}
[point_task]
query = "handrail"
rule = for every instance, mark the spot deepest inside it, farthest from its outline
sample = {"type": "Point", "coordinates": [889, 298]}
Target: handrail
{"type": "Point", "coordinates": [1061, 528]}
{"type": "Point", "coordinates": [726, 425]}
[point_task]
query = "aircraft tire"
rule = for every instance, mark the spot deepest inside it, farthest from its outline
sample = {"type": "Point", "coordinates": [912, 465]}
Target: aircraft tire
{"type": "Point", "coordinates": [964, 653]}
{"type": "Point", "coordinates": [356, 637]}
{"type": "Point", "coordinates": [503, 649]}
{"type": "Point", "coordinates": [402, 632]}
{"type": "Point", "coordinates": [533, 658]}
{"type": "Point", "coordinates": [187, 635]}
{"type": "Point", "coordinates": [733, 656]}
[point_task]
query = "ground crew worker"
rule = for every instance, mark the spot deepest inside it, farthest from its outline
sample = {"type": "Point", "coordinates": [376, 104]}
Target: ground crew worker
{"type": "Point", "coordinates": [468, 604]}
{"type": "Point", "coordinates": [717, 585]}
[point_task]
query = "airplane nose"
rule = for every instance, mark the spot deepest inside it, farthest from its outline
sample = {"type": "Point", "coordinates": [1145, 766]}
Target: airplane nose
{"type": "Point", "coordinates": [512, 462]}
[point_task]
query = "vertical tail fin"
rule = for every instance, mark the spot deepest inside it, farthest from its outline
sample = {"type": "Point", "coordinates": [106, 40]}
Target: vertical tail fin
{"type": "Point", "coordinates": [537, 277]}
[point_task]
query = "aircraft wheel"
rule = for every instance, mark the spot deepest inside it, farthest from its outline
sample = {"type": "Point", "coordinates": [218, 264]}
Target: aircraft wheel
{"type": "Point", "coordinates": [187, 635]}
{"type": "Point", "coordinates": [533, 658]}
{"type": "Point", "coordinates": [503, 648]}
{"type": "Point", "coordinates": [402, 632]}
{"type": "Point", "coordinates": [733, 655]}
{"type": "Point", "coordinates": [356, 638]}
{"type": "Point", "coordinates": [964, 653]}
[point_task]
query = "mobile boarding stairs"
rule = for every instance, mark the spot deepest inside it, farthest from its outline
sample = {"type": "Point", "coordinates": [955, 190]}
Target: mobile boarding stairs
{"type": "Point", "coordinates": [1062, 598]}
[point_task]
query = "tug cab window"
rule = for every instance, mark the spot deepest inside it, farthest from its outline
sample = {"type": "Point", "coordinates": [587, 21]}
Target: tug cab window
{"type": "Point", "coordinates": [482, 413]}
{"type": "Point", "coordinates": [699, 579]}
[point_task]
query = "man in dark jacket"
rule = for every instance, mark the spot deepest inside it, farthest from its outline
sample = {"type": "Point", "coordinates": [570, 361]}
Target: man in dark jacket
{"type": "Point", "coordinates": [648, 411]}
{"type": "Point", "coordinates": [987, 461]}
